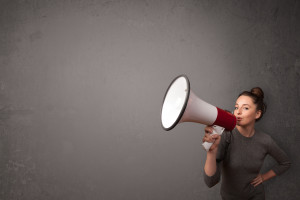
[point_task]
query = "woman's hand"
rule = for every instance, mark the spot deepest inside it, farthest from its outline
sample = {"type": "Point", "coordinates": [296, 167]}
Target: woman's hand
{"type": "Point", "coordinates": [215, 139]}
{"type": "Point", "coordinates": [258, 180]}
{"type": "Point", "coordinates": [263, 177]}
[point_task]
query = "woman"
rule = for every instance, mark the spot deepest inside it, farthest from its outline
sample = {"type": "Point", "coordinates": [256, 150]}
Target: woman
{"type": "Point", "coordinates": [239, 155]}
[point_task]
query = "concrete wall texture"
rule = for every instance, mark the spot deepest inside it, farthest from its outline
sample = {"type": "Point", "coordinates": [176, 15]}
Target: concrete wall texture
{"type": "Point", "coordinates": [82, 83]}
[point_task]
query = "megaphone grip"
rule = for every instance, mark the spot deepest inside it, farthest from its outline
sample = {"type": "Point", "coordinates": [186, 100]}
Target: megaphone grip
{"type": "Point", "coordinates": [207, 145]}
{"type": "Point", "coordinates": [216, 130]}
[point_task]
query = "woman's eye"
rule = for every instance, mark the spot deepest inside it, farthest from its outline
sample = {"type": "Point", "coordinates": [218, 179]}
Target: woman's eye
{"type": "Point", "coordinates": [246, 108]}
{"type": "Point", "coordinates": [236, 108]}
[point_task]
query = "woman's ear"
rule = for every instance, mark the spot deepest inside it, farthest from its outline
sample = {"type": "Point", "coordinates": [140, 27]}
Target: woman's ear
{"type": "Point", "coordinates": [258, 114]}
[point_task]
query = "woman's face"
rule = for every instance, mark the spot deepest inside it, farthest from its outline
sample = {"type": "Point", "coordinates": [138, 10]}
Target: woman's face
{"type": "Point", "coordinates": [245, 111]}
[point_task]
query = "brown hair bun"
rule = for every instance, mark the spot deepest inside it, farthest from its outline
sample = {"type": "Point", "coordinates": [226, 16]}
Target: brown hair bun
{"type": "Point", "coordinates": [258, 92]}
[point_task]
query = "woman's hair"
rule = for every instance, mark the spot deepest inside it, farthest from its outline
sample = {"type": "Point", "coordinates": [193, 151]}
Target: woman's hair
{"type": "Point", "coordinates": [257, 95]}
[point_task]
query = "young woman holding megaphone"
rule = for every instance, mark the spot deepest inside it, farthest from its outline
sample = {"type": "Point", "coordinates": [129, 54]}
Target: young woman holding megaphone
{"type": "Point", "coordinates": [240, 150]}
{"type": "Point", "coordinates": [238, 155]}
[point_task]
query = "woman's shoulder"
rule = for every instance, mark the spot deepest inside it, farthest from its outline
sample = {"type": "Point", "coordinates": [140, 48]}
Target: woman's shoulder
{"type": "Point", "coordinates": [263, 136]}
{"type": "Point", "coordinates": [262, 133]}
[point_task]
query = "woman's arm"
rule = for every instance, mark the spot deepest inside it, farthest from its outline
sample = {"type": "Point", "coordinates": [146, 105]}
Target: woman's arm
{"type": "Point", "coordinates": [280, 156]}
{"type": "Point", "coordinates": [270, 174]}
{"type": "Point", "coordinates": [263, 177]}
{"type": "Point", "coordinates": [211, 167]}
{"type": "Point", "coordinates": [283, 163]}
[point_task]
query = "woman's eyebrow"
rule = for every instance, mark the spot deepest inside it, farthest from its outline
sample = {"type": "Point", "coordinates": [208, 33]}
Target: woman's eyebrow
{"type": "Point", "coordinates": [243, 104]}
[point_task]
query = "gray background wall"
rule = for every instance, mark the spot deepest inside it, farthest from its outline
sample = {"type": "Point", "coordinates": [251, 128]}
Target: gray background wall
{"type": "Point", "coordinates": [82, 82]}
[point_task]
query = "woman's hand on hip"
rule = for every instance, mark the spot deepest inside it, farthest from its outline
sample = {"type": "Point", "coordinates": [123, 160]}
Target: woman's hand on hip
{"type": "Point", "coordinates": [258, 180]}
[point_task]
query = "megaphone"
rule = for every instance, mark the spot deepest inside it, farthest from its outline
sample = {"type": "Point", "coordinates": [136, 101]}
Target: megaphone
{"type": "Point", "coordinates": [180, 104]}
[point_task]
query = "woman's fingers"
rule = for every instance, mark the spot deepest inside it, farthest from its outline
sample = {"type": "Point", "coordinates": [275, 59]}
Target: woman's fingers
{"type": "Point", "coordinates": [211, 138]}
{"type": "Point", "coordinates": [254, 181]}
{"type": "Point", "coordinates": [216, 141]}
{"type": "Point", "coordinates": [258, 180]}
{"type": "Point", "coordinates": [256, 184]}
{"type": "Point", "coordinates": [208, 138]}
{"type": "Point", "coordinates": [213, 146]}
{"type": "Point", "coordinates": [208, 129]}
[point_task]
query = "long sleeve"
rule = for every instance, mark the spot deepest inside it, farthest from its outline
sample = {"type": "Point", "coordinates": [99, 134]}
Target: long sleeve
{"type": "Point", "coordinates": [214, 179]}
{"type": "Point", "coordinates": [280, 156]}
{"type": "Point", "coordinates": [211, 181]}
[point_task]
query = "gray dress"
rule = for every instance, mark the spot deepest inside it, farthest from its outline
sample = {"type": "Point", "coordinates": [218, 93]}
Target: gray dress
{"type": "Point", "coordinates": [239, 160]}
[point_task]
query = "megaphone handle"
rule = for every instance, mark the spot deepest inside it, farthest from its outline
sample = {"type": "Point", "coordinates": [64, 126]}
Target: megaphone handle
{"type": "Point", "coordinates": [207, 145]}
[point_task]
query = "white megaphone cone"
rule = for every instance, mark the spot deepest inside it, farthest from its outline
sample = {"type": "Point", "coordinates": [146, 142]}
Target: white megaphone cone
{"type": "Point", "coordinates": [182, 105]}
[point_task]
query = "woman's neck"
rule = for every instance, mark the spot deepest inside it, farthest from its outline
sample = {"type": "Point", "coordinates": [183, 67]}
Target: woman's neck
{"type": "Point", "coordinates": [247, 131]}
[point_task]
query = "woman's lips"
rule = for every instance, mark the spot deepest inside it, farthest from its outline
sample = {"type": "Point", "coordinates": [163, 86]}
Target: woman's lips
{"type": "Point", "coordinates": [238, 118]}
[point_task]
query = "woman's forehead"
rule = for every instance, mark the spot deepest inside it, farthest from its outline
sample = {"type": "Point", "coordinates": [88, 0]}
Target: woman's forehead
{"type": "Point", "coordinates": [244, 100]}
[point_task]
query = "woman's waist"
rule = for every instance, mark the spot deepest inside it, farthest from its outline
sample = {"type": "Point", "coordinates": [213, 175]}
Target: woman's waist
{"type": "Point", "coordinates": [241, 190]}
